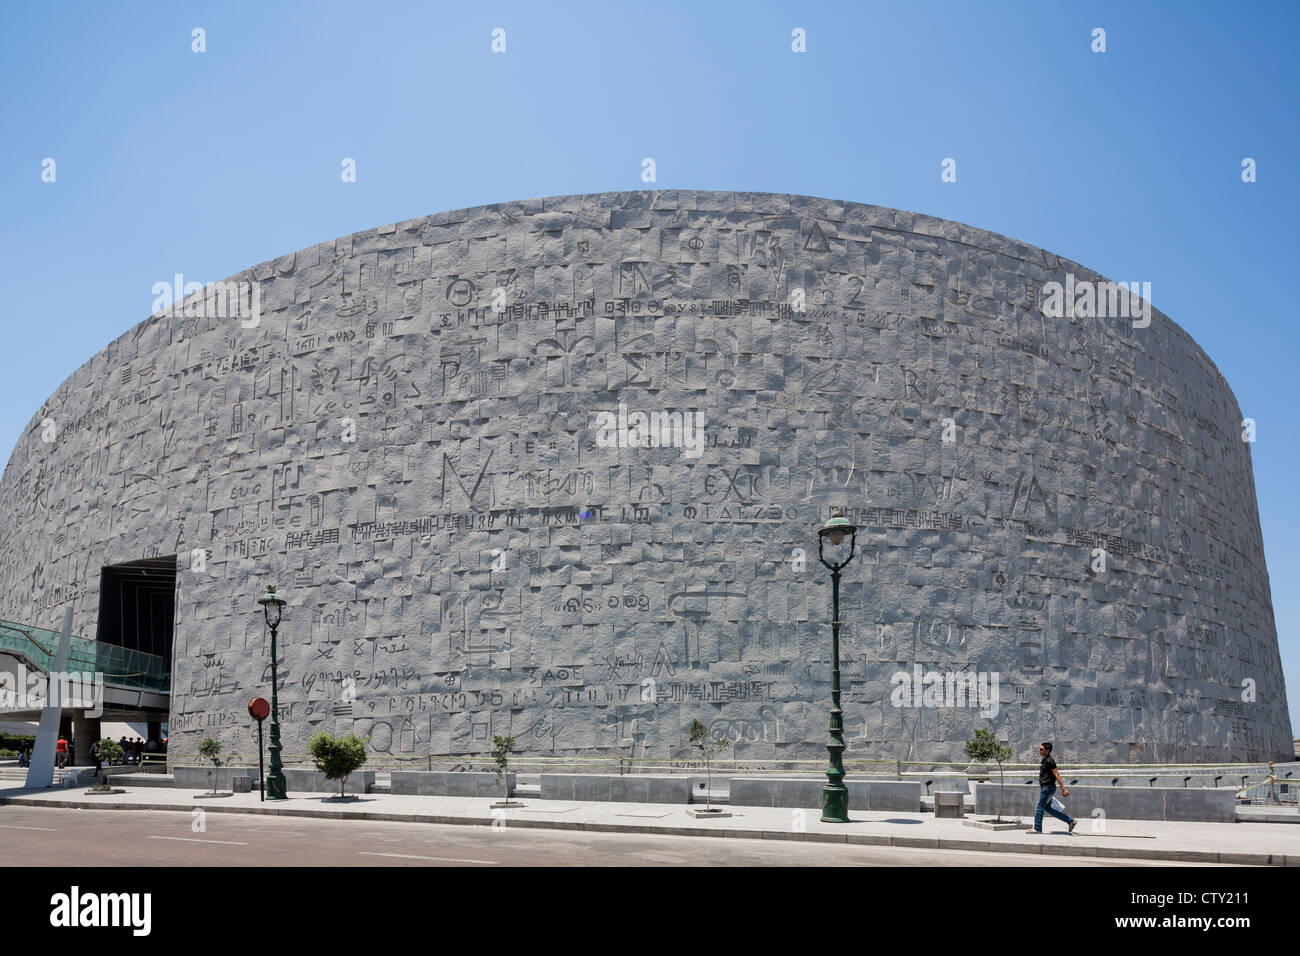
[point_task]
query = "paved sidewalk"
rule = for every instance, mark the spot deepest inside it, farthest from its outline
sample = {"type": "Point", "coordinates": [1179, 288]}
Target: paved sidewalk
{"type": "Point", "coordinates": [1261, 844]}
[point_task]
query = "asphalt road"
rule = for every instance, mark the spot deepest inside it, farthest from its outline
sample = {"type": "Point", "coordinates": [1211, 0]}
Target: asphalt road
{"type": "Point", "coordinates": [32, 836]}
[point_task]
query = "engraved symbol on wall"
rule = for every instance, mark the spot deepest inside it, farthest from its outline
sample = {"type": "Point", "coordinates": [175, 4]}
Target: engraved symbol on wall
{"type": "Point", "coordinates": [823, 377]}
{"type": "Point", "coordinates": [287, 480]}
{"type": "Point", "coordinates": [461, 292]}
{"type": "Point", "coordinates": [1030, 500]}
{"type": "Point", "coordinates": [835, 470]}
{"type": "Point", "coordinates": [486, 648]}
{"type": "Point", "coordinates": [471, 493]}
{"type": "Point", "coordinates": [383, 736]}
{"type": "Point", "coordinates": [632, 280]}
{"type": "Point", "coordinates": [764, 249]}
{"type": "Point", "coordinates": [816, 241]}
{"type": "Point", "coordinates": [692, 605]}
{"type": "Point", "coordinates": [584, 280]}
{"type": "Point", "coordinates": [462, 352]}
{"type": "Point", "coordinates": [766, 729]}
{"type": "Point", "coordinates": [358, 301]}
{"type": "Point", "coordinates": [972, 303]}
{"type": "Point", "coordinates": [566, 344]}
{"type": "Point", "coordinates": [720, 358]}
{"type": "Point", "coordinates": [735, 279]}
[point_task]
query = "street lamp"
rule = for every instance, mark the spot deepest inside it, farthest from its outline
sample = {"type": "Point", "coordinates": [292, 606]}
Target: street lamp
{"type": "Point", "coordinates": [272, 604]}
{"type": "Point", "coordinates": [835, 796]}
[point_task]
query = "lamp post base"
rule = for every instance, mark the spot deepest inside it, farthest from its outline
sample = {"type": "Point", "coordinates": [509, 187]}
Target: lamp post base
{"type": "Point", "coordinates": [276, 788]}
{"type": "Point", "coordinates": [835, 804]}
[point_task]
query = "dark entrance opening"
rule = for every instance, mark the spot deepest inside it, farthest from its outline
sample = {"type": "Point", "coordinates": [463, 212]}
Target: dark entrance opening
{"type": "Point", "coordinates": [137, 606]}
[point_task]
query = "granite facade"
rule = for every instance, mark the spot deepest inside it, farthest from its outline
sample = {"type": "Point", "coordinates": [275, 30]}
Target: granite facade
{"type": "Point", "coordinates": [428, 438]}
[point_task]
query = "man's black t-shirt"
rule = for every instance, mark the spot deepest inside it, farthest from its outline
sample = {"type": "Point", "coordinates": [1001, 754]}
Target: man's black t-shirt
{"type": "Point", "coordinates": [1045, 775]}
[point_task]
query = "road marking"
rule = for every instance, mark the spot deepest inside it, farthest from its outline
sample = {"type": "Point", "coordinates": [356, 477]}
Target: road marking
{"type": "Point", "coordinates": [196, 840]}
{"type": "Point", "coordinates": [440, 859]}
{"type": "Point", "coordinates": [46, 829]}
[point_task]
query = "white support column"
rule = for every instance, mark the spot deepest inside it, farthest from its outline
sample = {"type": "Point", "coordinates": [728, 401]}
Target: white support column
{"type": "Point", "coordinates": [41, 771]}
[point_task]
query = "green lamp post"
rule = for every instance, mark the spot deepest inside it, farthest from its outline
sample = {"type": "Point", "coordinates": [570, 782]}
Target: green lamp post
{"type": "Point", "coordinates": [272, 604]}
{"type": "Point", "coordinates": [835, 796]}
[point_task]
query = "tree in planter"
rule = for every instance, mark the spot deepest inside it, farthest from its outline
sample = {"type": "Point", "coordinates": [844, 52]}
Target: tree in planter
{"type": "Point", "coordinates": [336, 757]}
{"type": "Point", "coordinates": [210, 750]}
{"type": "Point", "coordinates": [698, 735]}
{"type": "Point", "coordinates": [984, 746]}
{"type": "Point", "coordinates": [502, 748]}
{"type": "Point", "coordinates": [108, 753]}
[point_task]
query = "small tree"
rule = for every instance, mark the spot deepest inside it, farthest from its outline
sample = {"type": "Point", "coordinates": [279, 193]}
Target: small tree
{"type": "Point", "coordinates": [698, 735]}
{"type": "Point", "coordinates": [211, 750]}
{"type": "Point", "coordinates": [502, 748]}
{"type": "Point", "coordinates": [109, 752]}
{"type": "Point", "coordinates": [984, 746]}
{"type": "Point", "coordinates": [337, 757]}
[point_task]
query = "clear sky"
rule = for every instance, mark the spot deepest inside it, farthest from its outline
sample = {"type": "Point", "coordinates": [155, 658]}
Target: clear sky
{"type": "Point", "coordinates": [1128, 161]}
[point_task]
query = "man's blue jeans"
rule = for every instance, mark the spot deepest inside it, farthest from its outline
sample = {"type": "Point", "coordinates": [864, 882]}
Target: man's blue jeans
{"type": "Point", "coordinates": [1045, 803]}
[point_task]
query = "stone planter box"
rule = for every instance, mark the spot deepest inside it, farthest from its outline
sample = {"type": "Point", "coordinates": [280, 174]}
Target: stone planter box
{"type": "Point", "coordinates": [1120, 803]}
{"type": "Point", "coordinates": [448, 783]}
{"type": "Point", "coordinates": [144, 780]}
{"type": "Point", "coordinates": [630, 788]}
{"type": "Point", "coordinates": [309, 780]}
{"type": "Point", "coordinates": [223, 778]}
{"type": "Point", "coordinates": [904, 795]}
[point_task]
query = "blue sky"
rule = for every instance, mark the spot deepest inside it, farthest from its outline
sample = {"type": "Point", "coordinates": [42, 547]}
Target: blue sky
{"type": "Point", "coordinates": [1127, 161]}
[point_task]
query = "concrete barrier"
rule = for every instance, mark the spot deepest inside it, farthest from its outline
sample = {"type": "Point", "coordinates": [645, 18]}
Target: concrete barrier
{"type": "Point", "coordinates": [630, 788]}
{"type": "Point", "coordinates": [449, 783]}
{"type": "Point", "coordinates": [196, 778]}
{"type": "Point", "coordinates": [947, 803]}
{"type": "Point", "coordinates": [902, 795]}
{"type": "Point", "coordinates": [300, 779]}
{"type": "Point", "coordinates": [310, 780]}
{"type": "Point", "coordinates": [1121, 803]}
{"type": "Point", "coordinates": [143, 780]}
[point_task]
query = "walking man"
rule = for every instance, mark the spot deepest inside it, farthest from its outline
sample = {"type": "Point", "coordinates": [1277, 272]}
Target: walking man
{"type": "Point", "coordinates": [1048, 778]}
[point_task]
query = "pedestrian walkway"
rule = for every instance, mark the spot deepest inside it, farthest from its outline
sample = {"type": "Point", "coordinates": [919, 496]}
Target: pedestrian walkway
{"type": "Point", "coordinates": [1261, 844]}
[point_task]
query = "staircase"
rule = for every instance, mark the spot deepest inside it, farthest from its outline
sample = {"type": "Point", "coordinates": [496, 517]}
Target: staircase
{"type": "Point", "coordinates": [13, 776]}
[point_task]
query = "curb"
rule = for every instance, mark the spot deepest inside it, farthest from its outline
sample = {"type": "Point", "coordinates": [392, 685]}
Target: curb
{"type": "Point", "coordinates": [860, 839]}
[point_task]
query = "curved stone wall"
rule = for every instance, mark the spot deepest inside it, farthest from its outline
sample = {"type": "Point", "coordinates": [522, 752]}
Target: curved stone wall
{"type": "Point", "coordinates": [418, 438]}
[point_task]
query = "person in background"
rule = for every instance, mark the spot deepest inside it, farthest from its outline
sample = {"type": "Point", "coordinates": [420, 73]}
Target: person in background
{"type": "Point", "coordinates": [122, 743]}
{"type": "Point", "coordinates": [61, 752]}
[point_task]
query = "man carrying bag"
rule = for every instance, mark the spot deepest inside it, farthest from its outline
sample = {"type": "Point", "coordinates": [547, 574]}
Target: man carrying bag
{"type": "Point", "coordinates": [1048, 778]}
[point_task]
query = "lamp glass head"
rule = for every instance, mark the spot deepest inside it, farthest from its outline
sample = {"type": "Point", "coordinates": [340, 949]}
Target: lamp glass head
{"type": "Point", "coordinates": [271, 604]}
{"type": "Point", "coordinates": [837, 527]}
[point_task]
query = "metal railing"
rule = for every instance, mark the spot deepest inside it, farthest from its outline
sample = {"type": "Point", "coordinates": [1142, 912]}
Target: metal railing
{"type": "Point", "coordinates": [1271, 791]}
{"type": "Point", "coordinates": [1227, 775]}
